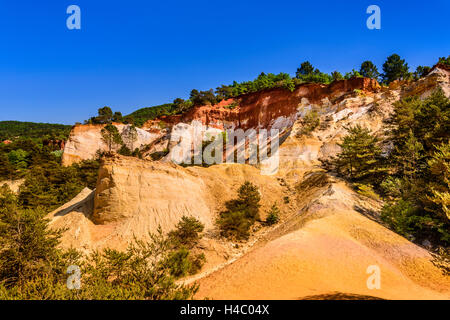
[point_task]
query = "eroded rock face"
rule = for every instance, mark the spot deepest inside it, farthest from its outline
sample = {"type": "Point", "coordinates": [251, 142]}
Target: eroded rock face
{"type": "Point", "coordinates": [156, 194]}
{"type": "Point", "coordinates": [85, 140]}
{"type": "Point", "coordinates": [134, 197]}
{"type": "Point", "coordinates": [153, 193]}
{"type": "Point", "coordinates": [273, 108]}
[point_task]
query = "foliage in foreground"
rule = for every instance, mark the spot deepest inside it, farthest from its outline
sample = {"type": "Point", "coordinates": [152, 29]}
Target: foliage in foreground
{"type": "Point", "coordinates": [32, 266]}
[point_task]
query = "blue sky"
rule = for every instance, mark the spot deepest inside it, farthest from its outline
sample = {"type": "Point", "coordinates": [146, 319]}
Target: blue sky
{"type": "Point", "coordinates": [133, 54]}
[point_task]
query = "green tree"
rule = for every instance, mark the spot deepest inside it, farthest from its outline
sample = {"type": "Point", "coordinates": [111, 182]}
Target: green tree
{"type": "Point", "coordinates": [352, 74]}
{"type": "Point", "coordinates": [306, 68]}
{"type": "Point", "coordinates": [27, 247]}
{"type": "Point", "coordinates": [444, 60]}
{"type": "Point", "coordinates": [105, 115]}
{"type": "Point", "coordinates": [6, 169]}
{"type": "Point", "coordinates": [117, 117]}
{"type": "Point", "coordinates": [409, 157]}
{"type": "Point", "coordinates": [18, 158]}
{"type": "Point", "coordinates": [111, 136]}
{"type": "Point", "coordinates": [421, 71]}
{"type": "Point", "coordinates": [395, 68]}
{"type": "Point", "coordinates": [359, 156]}
{"type": "Point", "coordinates": [439, 166]}
{"type": "Point", "coordinates": [336, 75]}
{"type": "Point", "coordinates": [369, 70]}
{"type": "Point", "coordinates": [203, 97]}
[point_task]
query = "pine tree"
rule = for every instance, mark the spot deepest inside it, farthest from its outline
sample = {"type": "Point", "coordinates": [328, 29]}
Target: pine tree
{"type": "Point", "coordinates": [395, 69]}
{"type": "Point", "coordinates": [409, 157]}
{"type": "Point", "coordinates": [111, 136]}
{"type": "Point", "coordinates": [305, 69]}
{"type": "Point", "coordinates": [440, 184]}
{"type": "Point", "coordinates": [369, 70]}
{"type": "Point", "coordinates": [336, 75]}
{"type": "Point", "coordinates": [360, 154]}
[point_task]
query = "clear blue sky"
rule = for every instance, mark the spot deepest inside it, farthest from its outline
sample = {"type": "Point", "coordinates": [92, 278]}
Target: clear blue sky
{"type": "Point", "coordinates": [132, 54]}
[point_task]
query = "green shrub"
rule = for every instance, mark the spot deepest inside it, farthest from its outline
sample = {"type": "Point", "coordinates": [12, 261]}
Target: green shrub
{"type": "Point", "coordinates": [187, 232]}
{"type": "Point", "coordinates": [232, 105]}
{"type": "Point", "coordinates": [125, 151]}
{"type": "Point", "coordinates": [234, 225]}
{"type": "Point", "coordinates": [273, 216]}
{"type": "Point", "coordinates": [352, 74]}
{"type": "Point", "coordinates": [444, 60]}
{"type": "Point", "coordinates": [181, 263]}
{"type": "Point", "coordinates": [240, 213]}
{"type": "Point", "coordinates": [392, 187]}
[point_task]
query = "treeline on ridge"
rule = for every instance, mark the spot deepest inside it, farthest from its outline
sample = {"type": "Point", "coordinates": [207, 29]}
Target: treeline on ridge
{"type": "Point", "coordinates": [394, 68]}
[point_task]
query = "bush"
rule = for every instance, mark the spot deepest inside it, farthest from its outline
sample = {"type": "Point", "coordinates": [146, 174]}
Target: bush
{"type": "Point", "coordinates": [234, 225]}
{"type": "Point", "coordinates": [187, 232]}
{"type": "Point", "coordinates": [241, 213]}
{"type": "Point", "coordinates": [181, 263]}
{"type": "Point", "coordinates": [400, 216]}
{"type": "Point", "coordinates": [411, 221]}
{"type": "Point", "coordinates": [444, 60]}
{"type": "Point", "coordinates": [158, 155]}
{"type": "Point", "coordinates": [273, 216]}
{"type": "Point", "coordinates": [125, 151]}
{"type": "Point", "coordinates": [353, 74]}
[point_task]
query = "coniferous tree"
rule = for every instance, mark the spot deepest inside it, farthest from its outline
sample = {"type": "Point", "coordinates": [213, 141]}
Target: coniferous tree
{"type": "Point", "coordinates": [395, 68]}
{"type": "Point", "coordinates": [111, 136]}
{"type": "Point", "coordinates": [421, 71]}
{"type": "Point", "coordinates": [336, 75]}
{"type": "Point", "coordinates": [306, 68]}
{"type": "Point", "coordinates": [369, 70]}
{"type": "Point", "coordinates": [439, 186]}
{"type": "Point", "coordinates": [360, 155]}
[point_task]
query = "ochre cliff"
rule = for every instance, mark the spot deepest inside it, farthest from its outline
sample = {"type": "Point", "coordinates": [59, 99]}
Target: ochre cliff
{"type": "Point", "coordinates": [273, 108]}
{"type": "Point", "coordinates": [263, 108]}
{"type": "Point", "coordinates": [85, 140]}
{"type": "Point", "coordinates": [328, 234]}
